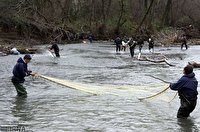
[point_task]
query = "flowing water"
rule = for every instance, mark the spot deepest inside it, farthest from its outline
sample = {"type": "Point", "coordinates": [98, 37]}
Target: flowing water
{"type": "Point", "coordinates": [51, 107]}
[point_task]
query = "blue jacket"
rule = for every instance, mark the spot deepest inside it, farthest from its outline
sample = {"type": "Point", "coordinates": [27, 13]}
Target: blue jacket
{"type": "Point", "coordinates": [20, 71]}
{"type": "Point", "coordinates": [186, 87]}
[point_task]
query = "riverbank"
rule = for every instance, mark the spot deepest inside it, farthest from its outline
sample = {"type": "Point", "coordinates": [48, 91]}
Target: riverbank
{"type": "Point", "coordinates": [26, 45]}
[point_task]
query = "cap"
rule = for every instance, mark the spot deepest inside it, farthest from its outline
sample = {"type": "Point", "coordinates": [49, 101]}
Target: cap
{"type": "Point", "coordinates": [28, 57]}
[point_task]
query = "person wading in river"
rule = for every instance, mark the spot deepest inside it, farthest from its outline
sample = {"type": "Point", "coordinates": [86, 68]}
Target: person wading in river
{"type": "Point", "coordinates": [20, 70]}
{"type": "Point", "coordinates": [184, 42]}
{"type": "Point", "coordinates": [132, 45]}
{"type": "Point", "coordinates": [151, 44]}
{"type": "Point", "coordinates": [118, 43]}
{"type": "Point", "coordinates": [55, 49]}
{"type": "Point", "coordinates": [187, 90]}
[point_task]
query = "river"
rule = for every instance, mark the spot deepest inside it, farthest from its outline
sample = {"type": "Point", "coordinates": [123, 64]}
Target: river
{"type": "Point", "coordinates": [51, 107]}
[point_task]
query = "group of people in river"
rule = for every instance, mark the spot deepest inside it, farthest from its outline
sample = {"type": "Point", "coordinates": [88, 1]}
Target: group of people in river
{"type": "Point", "coordinates": [121, 44]}
{"type": "Point", "coordinates": [186, 85]}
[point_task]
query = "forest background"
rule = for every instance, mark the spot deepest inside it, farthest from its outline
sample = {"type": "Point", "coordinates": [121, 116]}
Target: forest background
{"type": "Point", "coordinates": [67, 21]}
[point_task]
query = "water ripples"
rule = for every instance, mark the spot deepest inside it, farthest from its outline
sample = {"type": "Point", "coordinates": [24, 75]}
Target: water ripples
{"type": "Point", "coordinates": [52, 107]}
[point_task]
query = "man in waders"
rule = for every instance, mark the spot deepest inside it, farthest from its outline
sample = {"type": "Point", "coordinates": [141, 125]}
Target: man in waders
{"type": "Point", "coordinates": [20, 70]}
{"type": "Point", "coordinates": [118, 43]}
{"type": "Point", "coordinates": [184, 42]}
{"type": "Point", "coordinates": [132, 45]}
{"type": "Point", "coordinates": [55, 49]}
{"type": "Point", "coordinates": [151, 45]}
{"type": "Point", "coordinates": [187, 90]}
{"type": "Point", "coordinates": [140, 42]}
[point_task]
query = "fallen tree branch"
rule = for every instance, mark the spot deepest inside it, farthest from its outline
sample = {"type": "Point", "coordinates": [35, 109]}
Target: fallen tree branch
{"type": "Point", "coordinates": [145, 58]}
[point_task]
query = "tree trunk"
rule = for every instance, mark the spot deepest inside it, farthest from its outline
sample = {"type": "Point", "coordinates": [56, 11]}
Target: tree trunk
{"type": "Point", "coordinates": [120, 22]}
{"type": "Point", "coordinates": [145, 16]}
{"type": "Point", "coordinates": [166, 19]}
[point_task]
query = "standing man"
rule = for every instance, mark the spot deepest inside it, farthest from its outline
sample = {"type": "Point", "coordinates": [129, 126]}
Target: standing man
{"type": "Point", "coordinates": [151, 44]}
{"type": "Point", "coordinates": [140, 42]}
{"type": "Point", "coordinates": [54, 47]}
{"type": "Point", "coordinates": [187, 90]}
{"type": "Point", "coordinates": [90, 38]}
{"type": "Point", "coordinates": [20, 70]}
{"type": "Point", "coordinates": [118, 42]}
{"type": "Point", "coordinates": [184, 42]}
{"type": "Point", "coordinates": [132, 45]}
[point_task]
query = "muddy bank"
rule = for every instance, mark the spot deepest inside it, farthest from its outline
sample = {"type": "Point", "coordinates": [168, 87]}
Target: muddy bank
{"type": "Point", "coordinates": [21, 45]}
{"type": "Point", "coordinates": [26, 44]}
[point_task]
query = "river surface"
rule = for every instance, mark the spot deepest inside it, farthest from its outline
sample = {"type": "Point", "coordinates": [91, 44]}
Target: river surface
{"type": "Point", "coordinates": [50, 107]}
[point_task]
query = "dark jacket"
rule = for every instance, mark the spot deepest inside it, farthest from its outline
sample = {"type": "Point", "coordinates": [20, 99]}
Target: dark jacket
{"type": "Point", "coordinates": [151, 43]}
{"type": "Point", "coordinates": [56, 49]}
{"type": "Point", "coordinates": [20, 71]}
{"type": "Point", "coordinates": [186, 87]}
{"type": "Point", "coordinates": [118, 41]}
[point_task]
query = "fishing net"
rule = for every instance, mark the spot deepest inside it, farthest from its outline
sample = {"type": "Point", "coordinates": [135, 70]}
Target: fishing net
{"type": "Point", "coordinates": [136, 91]}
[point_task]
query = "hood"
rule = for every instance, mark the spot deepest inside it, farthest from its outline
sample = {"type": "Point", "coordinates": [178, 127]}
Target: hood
{"type": "Point", "coordinates": [20, 60]}
{"type": "Point", "coordinates": [191, 75]}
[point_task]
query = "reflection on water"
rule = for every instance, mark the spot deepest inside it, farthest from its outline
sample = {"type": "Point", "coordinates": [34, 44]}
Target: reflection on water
{"type": "Point", "coordinates": [187, 125]}
{"type": "Point", "coordinates": [52, 107]}
{"type": "Point", "coordinates": [21, 109]}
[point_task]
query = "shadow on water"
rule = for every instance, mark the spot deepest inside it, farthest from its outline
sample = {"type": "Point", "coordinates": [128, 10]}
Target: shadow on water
{"type": "Point", "coordinates": [187, 125]}
{"type": "Point", "coordinates": [21, 109]}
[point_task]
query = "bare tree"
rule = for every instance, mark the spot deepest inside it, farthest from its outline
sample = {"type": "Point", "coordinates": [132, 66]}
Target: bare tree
{"type": "Point", "coordinates": [166, 19]}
